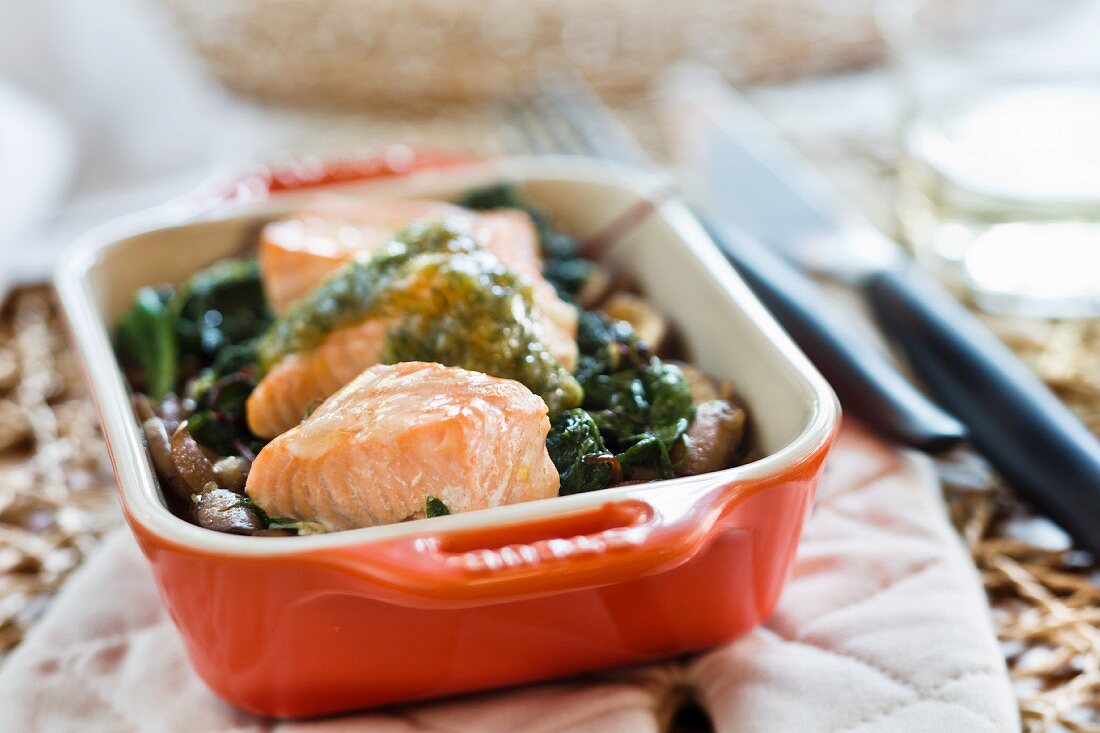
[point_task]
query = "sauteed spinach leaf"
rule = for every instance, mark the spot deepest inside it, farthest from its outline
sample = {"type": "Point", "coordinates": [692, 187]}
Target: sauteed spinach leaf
{"type": "Point", "coordinates": [434, 507]}
{"type": "Point", "coordinates": [211, 321]}
{"type": "Point", "coordinates": [147, 341]}
{"type": "Point", "coordinates": [221, 307]}
{"type": "Point", "coordinates": [635, 409]}
{"type": "Point", "coordinates": [607, 346]}
{"type": "Point", "coordinates": [219, 419]}
{"type": "Point", "coordinates": [641, 413]}
{"type": "Point", "coordinates": [199, 340]}
{"type": "Point", "coordinates": [579, 454]}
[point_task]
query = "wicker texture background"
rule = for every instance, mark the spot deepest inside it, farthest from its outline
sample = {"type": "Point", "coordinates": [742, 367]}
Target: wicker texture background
{"type": "Point", "coordinates": [371, 52]}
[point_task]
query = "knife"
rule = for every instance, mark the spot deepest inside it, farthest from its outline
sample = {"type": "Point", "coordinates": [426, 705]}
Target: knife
{"type": "Point", "coordinates": [867, 383]}
{"type": "Point", "coordinates": [748, 174]}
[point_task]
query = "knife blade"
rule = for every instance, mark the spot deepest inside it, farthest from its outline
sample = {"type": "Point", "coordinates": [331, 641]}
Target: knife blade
{"type": "Point", "coordinates": [747, 172]}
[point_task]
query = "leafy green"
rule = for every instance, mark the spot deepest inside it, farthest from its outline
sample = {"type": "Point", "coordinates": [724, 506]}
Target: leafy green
{"type": "Point", "coordinates": [220, 307]}
{"type": "Point", "coordinates": [671, 408]}
{"type": "Point", "coordinates": [607, 345]}
{"type": "Point", "coordinates": [289, 524]}
{"type": "Point", "coordinates": [219, 313]}
{"type": "Point", "coordinates": [629, 424]}
{"type": "Point", "coordinates": [219, 419]}
{"type": "Point", "coordinates": [434, 507]}
{"type": "Point", "coordinates": [651, 453]}
{"type": "Point", "coordinates": [212, 319]}
{"type": "Point", "coordinates": [641, 413]}
{"type": "Point", "coordinates": [496, 196]}
{"type": "Point", "coordinates": [246, 502]}
{"type": "Point", "coordinates": [578, 452]}
{"type": "Point", "coordinates": [234, 358]}
{"type": "Point", "coordinates": [147, 340]}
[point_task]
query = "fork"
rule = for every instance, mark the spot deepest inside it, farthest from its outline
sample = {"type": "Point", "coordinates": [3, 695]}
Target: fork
{"type": "Point", "coordinates": [562, 115]}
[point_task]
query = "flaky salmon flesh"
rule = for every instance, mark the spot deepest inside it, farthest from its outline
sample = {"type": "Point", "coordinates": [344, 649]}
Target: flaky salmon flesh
{"type": "Point", "coordinates": [376, 450]}
{"type": "Point", "coordinates": [283, 396]}
{"type": "Point", "coordinates": [299, 252]}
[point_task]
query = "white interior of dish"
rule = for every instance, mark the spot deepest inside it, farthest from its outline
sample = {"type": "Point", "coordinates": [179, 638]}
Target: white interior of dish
{"type": "Point", "coordinates": [726, 331]}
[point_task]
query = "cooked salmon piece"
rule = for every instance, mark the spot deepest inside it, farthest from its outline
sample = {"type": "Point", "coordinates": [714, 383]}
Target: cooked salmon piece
{"type": "Point", "coordinates": [298, 251]}
{"type": "Point", "coordinates": [376, 450]}
{"type": "Point", "coordinates": [284, 395]}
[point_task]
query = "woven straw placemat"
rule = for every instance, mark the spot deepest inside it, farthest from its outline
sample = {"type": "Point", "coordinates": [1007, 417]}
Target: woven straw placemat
{"type": "Point", "coordinates": [375, 54]}
{"type": "Point", "coordinates": [56, 489]}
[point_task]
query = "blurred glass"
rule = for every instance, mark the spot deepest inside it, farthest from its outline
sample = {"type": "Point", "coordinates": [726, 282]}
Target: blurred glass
{"type": "Point", "coordinates": [1000, 171]}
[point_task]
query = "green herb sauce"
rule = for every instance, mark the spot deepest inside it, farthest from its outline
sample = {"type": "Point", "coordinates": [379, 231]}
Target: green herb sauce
{"type": "Point", "coordinates": [451, 301]}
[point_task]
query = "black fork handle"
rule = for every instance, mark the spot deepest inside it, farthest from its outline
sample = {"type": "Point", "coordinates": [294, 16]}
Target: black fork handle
{"type": "Point", "coordinates": [1027, 433]}
{"type": "Point", "coordinates": [868, 385]}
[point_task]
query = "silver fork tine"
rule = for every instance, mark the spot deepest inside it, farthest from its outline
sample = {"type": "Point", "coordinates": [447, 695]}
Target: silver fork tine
{"type": "Point", "coordinates": [564, 115]}
{"type": "Point", "coordinates": [537, 127]}
{"type": "Point", "coordinates": [581, 109]}
{"type": "Point", "coordinates": [519, 120]}
{"type": "Point", "coordinates": [570, 138]}
{"type": "Point", "coordinates": [561, 137]}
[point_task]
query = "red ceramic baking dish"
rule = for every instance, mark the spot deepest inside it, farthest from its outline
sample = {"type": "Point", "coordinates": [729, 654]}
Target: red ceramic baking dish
{"type": "Point", "coordinates": [300, 626]}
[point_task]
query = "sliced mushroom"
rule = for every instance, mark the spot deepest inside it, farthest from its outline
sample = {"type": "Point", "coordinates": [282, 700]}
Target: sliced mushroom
{"type": "Point", "coordinates": [703, 387]}
{"type": "Point", "coordinates": [225, 511]}
{"type": "Point", "coordinates": [171, 411]}
{"type": "Point", "coordinates": [193, 465]}
{"type": "Point", "coordinates": [143, 408]}
{"type": "Point", "coordinates": [160, 450]}
{"type": "Point", "coordinates": [231, 473]}
{"type": "Point", "coordinates": [713, 438]}
{"type": "Point", "coordinates": [595, 288]}
{"type": "Point", "coordinates": [648, 323]}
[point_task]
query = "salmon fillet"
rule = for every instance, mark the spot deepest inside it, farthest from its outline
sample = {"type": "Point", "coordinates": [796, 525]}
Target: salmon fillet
{"type": "Point", "coordinates": [375, 451]}
{"type": "Point", "coordinates": [283, 396]}
{"type": "Point", "coordinates": [298, 252]}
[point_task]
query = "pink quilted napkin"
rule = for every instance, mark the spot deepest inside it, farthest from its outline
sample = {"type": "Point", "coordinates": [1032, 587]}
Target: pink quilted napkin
{"type": "Point", "coordinates": [883, 628]}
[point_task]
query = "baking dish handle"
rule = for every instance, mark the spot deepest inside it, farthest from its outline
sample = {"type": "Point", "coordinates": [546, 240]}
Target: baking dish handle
{"type": "Point", "coordinates": [644, 532]}
{"type": "Point", "coordinates": [304, 172]}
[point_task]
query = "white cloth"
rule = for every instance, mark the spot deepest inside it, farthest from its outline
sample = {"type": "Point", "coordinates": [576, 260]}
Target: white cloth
{"type": "Point", "coordinates": [882, 629]}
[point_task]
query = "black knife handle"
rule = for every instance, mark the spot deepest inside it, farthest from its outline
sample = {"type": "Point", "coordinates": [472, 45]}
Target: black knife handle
{"type": "Point", "coordinates": [1035, 442]}
{"type": "Point", "coordinates": [868, 385]}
